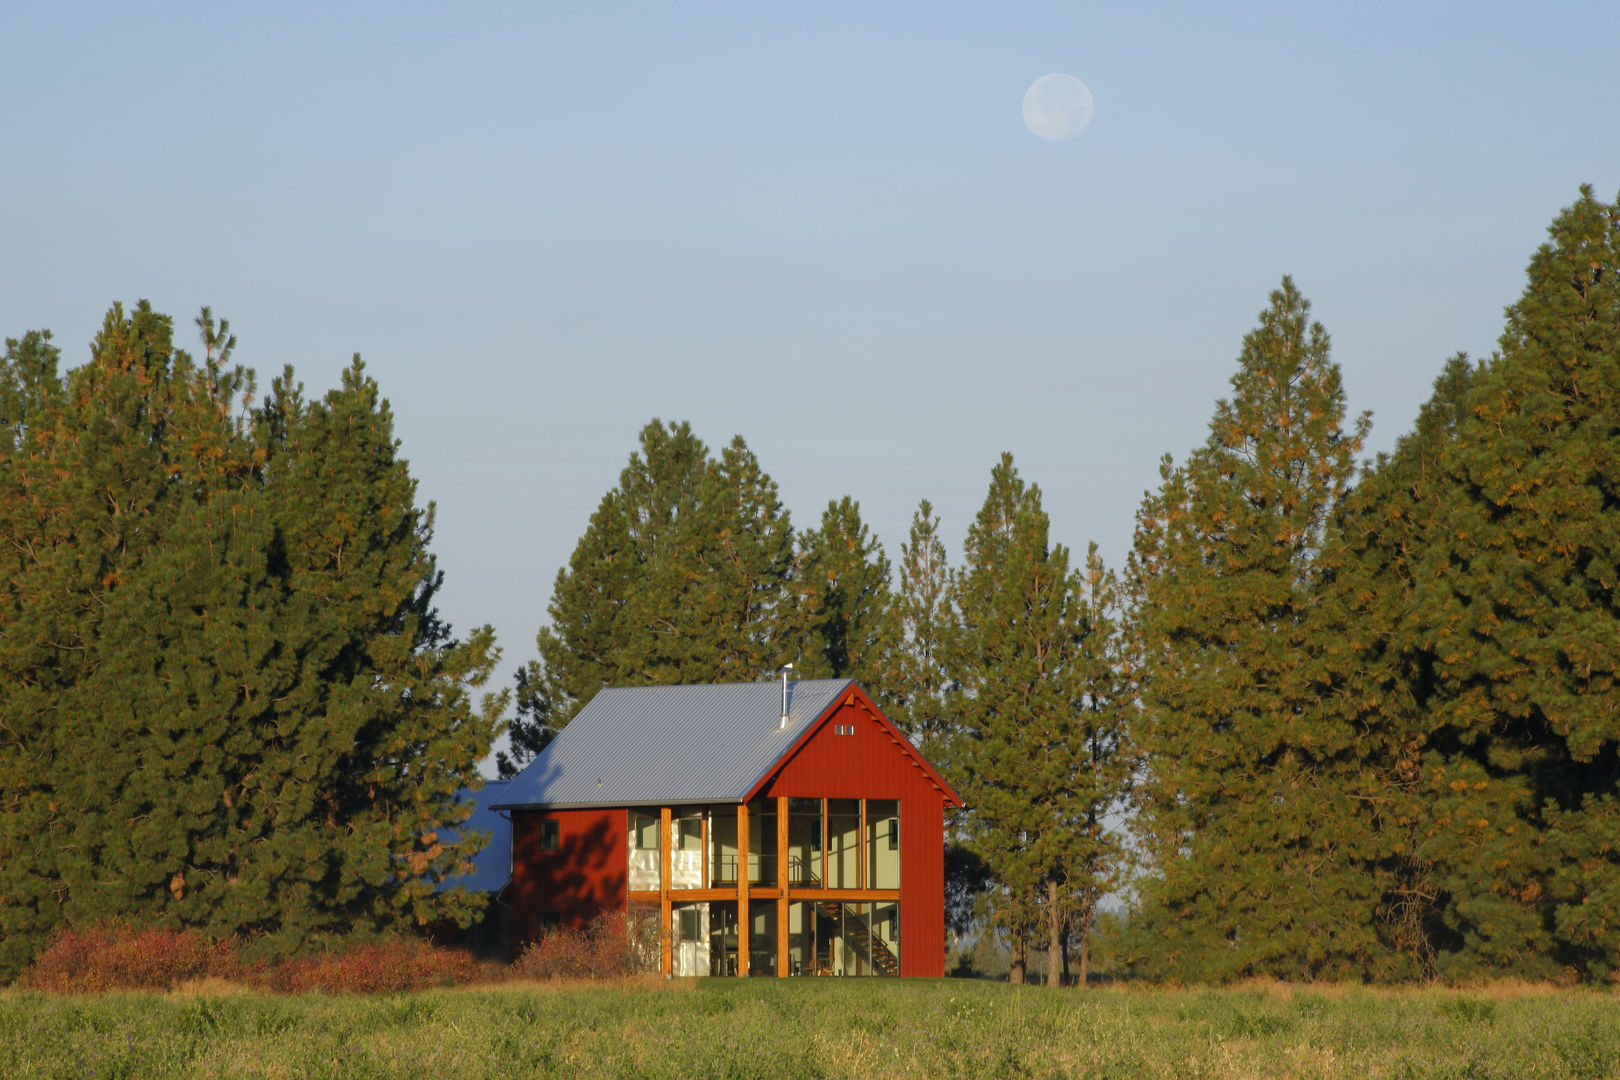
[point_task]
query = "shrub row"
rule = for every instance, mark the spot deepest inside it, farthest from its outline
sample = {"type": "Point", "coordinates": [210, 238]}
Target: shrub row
{"type": "Point", "coordinates": [120, 956]}
{"type": "Point", "coordinates": [116, 956]}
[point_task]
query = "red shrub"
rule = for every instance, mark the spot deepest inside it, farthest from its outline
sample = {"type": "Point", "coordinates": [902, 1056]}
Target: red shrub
{"type": "Point", "coordinates": [377, 967]}
{"type": "Point", "coordinates": [115, 956]}
{"type": "Point", "coordinates": [610, 947]}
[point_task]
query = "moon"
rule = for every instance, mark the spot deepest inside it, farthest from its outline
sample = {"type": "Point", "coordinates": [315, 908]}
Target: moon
{"type": "Point", "coordinates": [1057, 107]}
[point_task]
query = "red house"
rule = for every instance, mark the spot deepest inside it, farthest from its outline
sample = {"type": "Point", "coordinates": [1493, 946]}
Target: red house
{"type": "Point", "coordinates": [773, 832]}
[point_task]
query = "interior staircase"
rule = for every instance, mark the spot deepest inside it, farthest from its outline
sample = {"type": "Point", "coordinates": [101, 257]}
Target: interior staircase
{"type": "Point", "coordinates": [856, 928]}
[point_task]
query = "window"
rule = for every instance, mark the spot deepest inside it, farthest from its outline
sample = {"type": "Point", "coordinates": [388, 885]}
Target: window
{"type": "Point", "coordinates": [548, 834]}
{"type": "Point", "coordinates": [549, 921]}
{"type": "Point", "coordinates": [689, 924]}
{"type": "Point", "coordinates": [645, 827]}
{"type": "Point", "coordinates": [690, 835]}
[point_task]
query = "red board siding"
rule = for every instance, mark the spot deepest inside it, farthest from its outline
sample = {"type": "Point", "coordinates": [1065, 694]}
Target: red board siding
{"type": "Point", "coordinates": [869, 765]}
{"type": "Point", "coordinates": [586, 875]}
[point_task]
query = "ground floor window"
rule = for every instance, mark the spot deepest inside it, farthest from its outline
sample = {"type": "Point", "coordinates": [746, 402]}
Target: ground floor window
{"type": "Point", "coordinates": [833, 937]}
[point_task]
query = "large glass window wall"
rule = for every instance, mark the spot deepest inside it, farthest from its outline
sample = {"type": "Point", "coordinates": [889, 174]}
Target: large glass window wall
{"type": "Point", "coordinates": [832, 844]}
{"type": "Point", "coordinates": [832, 937]}
{"type": "Point", "coordinates": [840, 844]}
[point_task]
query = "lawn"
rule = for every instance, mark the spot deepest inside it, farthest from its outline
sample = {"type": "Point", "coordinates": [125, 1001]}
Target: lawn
{"type": "Point", "coordinates": [816, 1028]}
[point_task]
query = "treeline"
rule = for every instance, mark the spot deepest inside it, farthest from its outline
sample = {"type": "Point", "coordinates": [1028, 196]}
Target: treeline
{"type": "Point", "coordinates": [1332, 719]}
{"type": "Point", "coordinates": [226, 700]}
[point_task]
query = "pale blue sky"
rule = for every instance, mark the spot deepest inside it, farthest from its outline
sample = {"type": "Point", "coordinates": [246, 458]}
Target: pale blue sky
{"type": "Point", "coordinates": [823, 227]}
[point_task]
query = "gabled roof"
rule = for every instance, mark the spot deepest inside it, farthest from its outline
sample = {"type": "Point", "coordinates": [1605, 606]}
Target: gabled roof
{"type": "Point", "coordinates": [492, 866]}
{"type": "Point", "coordinates": [658, 745]}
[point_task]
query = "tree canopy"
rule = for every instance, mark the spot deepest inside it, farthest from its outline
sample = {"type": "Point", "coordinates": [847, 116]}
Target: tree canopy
{"type": "Point", "coordinates": [226, 699]}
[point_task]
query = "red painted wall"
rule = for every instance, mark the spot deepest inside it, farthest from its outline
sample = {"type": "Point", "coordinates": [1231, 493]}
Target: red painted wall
{"type": "Point", "coordinates": [870, 765]}
{"type": "Point", "coordinates": [586, 875]}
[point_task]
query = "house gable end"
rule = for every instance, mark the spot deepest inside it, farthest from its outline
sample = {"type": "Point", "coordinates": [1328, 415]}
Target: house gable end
{"type": "Point", "coordinates": [855, 709]}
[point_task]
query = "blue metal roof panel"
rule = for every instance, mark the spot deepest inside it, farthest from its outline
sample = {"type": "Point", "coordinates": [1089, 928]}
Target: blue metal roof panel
{"type": "Point", "coordinates": [492, 867]}
{"type": "Point", "coordinates": [670, 744]}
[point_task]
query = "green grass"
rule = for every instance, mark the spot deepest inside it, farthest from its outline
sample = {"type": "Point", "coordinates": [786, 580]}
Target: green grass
{"type": "Point", "coordinates": [817, 1028]}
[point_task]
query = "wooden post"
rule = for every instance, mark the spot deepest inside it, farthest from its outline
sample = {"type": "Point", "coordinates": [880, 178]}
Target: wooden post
{"type": "Point", "coordinates": [861, 852]}
{"type": "Point", "coordinates": [826, 853]}
{"type": "Point", "coordinates": [704, 880]}
{"type": "Point", "coordinates": [781, 887]}
{"type": "Point", "coordinates": [742, 888]}
{"type": "Point", "coordinates": [666, 953]}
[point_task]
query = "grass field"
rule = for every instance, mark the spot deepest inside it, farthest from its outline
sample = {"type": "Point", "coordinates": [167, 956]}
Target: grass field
{"type": "Point", "coordinates": [816, 1028]}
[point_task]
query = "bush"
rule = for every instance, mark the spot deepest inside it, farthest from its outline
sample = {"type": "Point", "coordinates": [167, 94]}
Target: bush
{"type": "Point", "coordinates": [119, 956]}
{"type": "Point", "coordinates": [612, 946]}
{"type": "Point", "coordinates": [384, 966]}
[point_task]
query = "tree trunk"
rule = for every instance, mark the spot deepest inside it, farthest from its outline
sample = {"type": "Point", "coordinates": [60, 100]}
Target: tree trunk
{"type": "Point", "coordinates": [1020, 951]}
{"type": "Point", "coordinates": [1087, 918]}
{"type": "Point", "coordinates": [1054, 935]}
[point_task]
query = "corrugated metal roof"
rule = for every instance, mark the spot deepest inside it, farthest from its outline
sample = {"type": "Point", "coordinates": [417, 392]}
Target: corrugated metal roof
{"type": "Point", "coordinates": [670, 744]}
{"type": "Point", "coordinates": [492, 867]}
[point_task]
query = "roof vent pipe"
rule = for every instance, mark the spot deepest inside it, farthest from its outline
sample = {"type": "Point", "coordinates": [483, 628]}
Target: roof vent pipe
{"type": "Point", "coordinates": [782, 724]}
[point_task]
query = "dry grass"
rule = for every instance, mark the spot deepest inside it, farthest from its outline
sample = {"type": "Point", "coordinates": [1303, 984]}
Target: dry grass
{"type": "Point", "coordinates": [649, 1027]}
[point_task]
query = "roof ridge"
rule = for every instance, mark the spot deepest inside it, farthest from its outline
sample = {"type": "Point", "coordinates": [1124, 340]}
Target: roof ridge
{"type": "Point", "coordinates": [717, 685]}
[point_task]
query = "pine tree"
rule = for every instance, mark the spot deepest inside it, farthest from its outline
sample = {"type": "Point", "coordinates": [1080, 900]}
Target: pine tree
{"type": "Point", "coordinates": [226, 699]}
{"type": "Point", "coordinates": [1103, 670]}
{"type": "Point", "coordinates": [27, 377]}
{"type": "Point", "coordinates": [1514, 602]}
{"type": "Point", "coordinates": [682, 576]}
{"type": "Point", "coordinates": [1245, 798]}
{"type": "Point", "coordinates": [1016, 650]}
{"type": "Point", "coordinates": [1380, 669]}
{"type": "Point", "coordinates": [917, 691]}
{"type": "Point", "coordinates": [842, 579]}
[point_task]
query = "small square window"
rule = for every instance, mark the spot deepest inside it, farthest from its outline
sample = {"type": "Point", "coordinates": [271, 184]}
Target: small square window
{"type": "Point", "coordinates": [548, 834]}
{"type": "Point", "coordinates": [646, 831]}
{"type": "Point", "coordinates": [690, 835]}
{"type": "Point", "coordinates": [689, 923]}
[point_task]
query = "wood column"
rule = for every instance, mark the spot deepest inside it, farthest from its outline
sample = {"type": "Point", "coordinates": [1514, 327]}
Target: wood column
{"type": "Point", "coordinates": [861, 852]}
{"type": "Point", "coordinates": [742, 888]}
{"type": "Point", "coordinates": [666, 954]}
{"type": "Point", "coordinates": [781, 887]}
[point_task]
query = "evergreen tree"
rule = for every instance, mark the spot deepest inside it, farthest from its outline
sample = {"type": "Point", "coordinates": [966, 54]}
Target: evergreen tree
{"type": "Point", "coordinates": [1104, 671]}
{"type": "Point", "coordinates": [1016, 651]}
{"type": "Point", "coordinates": [26, 378]}
{"type": "Point", "coordinates": [225, 699]}
{"type": "Point", "coordinates": [1245, 801]}
{"type": "Point", "coordinates": [916, 692]}
{"type": "Point", "coordinates": [1380, 670]}
{"type": "Point", "coordinates": [843, 583]}
{"type": "Point", "coordinates": [682, 576]}
{"type": "Point", "coordinates": [1514, 606]}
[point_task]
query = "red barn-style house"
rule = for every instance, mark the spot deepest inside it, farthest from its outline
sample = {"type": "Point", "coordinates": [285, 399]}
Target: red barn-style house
{"type": "Point", "coordinates": [773, 831]}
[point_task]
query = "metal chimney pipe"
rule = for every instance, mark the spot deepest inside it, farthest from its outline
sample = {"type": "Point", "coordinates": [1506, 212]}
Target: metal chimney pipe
{"type": "Point", "coordinates": [782, 725]}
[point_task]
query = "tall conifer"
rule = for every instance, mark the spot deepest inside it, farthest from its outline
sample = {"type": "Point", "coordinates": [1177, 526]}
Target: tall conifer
{"type": "Point", "coordinates": [1514, 600]}
{"type": "Point", "coordinates": [682, 576]}
{"type": "Point", "coordinates": [225, 698]}
{"type": "Point", "coordinates": [917, 692]}
{"type": "Point", "coordinates": [842, 579]}
{"type": "Point", "coordinates": [1017, 651]}
{"type": "Point", "coordinates": [1244, 777]}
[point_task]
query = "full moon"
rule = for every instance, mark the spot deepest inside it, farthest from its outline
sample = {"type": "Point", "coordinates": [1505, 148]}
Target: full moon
{"type": "Point", "coordinates": [1057, 107]}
